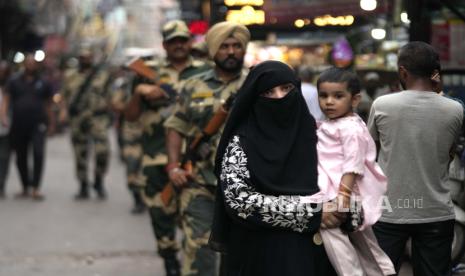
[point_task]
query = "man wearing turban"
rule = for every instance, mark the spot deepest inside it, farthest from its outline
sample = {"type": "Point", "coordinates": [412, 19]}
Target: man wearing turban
{"type": "Point", "coordinates": [200, 97]}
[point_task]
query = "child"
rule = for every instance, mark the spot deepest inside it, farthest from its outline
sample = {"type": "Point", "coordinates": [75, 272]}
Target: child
{"type": "Point", "coordinates": [347, 169]}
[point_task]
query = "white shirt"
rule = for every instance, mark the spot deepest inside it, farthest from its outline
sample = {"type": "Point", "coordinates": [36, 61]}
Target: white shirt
{"type": "Point", "coordinates": [311, 98]}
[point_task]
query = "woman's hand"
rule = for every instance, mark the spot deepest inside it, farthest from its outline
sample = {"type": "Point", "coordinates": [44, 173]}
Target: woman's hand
{"type": "Point", "coordinates": [331, 217]}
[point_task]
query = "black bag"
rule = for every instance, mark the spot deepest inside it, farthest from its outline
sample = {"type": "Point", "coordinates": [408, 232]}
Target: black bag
{"type": "Point", "coordinates": [354, 219]}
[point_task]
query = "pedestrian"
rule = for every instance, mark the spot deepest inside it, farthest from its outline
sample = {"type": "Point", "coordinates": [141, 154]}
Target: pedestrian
{"type": "Point", "coordinates": [266, 166]}
{"type": "Point", "coordinates": [200, 97]}
{"type": "Point", "coordinates": [310, 92]}
{"type": "Point", "coordinates": [30, 98]}
{"type": "Point", "coordinates": [416, 129]}
{"type": "Point", "coordinates": [130, 136]}
{"type": "Point", "coordinates": [349, 174]}
{"type": "Point", "coordinates": [151, 105]}
{"type": "Point", "coordinates": [4, 129]}
{"type": "Point", "coordinates": [86, 104]}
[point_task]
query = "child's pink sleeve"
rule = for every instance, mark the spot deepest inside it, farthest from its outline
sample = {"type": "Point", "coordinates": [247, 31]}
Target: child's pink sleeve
{"type": "Point", "coordinates": [354, 147]}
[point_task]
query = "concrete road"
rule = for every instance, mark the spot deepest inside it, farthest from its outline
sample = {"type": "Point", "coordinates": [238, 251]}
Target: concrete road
{"type": "Point", "coordinates": [60, 236]}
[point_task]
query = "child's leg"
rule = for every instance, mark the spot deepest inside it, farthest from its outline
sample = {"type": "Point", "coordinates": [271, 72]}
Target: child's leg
{"type": "Point", "coordinates": [372, 258]}
{"type": "Point", "coordinates": [341, 253]}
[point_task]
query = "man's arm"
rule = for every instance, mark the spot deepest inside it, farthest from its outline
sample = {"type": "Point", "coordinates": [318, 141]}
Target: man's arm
{"type": "Point", "coordinates": [4, 108]}
{"type": "Point", "coordinates": [149, 92]}
{"type": "Point", "coordinates": [174, 141]}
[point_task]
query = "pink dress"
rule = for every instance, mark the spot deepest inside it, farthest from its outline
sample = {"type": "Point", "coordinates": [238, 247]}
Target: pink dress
{"type": "Point", "coordinates": [345, 146]}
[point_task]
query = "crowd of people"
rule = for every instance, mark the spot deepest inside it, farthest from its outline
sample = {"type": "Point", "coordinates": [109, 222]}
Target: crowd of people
{"type": "Point", "coordinates": [265, 170]}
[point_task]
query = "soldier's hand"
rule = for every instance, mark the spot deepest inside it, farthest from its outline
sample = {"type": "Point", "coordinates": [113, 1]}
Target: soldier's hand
{"type": "Point", "coordinates": [151, 92]}
{"type": "Point", "coordinates": [178, 177]}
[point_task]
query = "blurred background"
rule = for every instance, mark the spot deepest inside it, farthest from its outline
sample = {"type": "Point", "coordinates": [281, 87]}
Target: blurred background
{"type": "Point", "coordinates": [365, 33]}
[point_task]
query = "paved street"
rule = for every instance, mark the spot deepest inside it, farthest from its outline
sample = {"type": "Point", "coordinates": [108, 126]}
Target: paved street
{"type": "Point", "coordinates": [63, 237]}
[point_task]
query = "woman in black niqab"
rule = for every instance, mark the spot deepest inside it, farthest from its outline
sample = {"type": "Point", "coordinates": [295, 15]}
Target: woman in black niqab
{"type": "Point", "coordinates": [267, 154]}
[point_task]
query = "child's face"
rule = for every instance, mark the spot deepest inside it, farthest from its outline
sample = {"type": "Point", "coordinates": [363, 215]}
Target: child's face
{"type": "Point", "coordinates": [335, 100]}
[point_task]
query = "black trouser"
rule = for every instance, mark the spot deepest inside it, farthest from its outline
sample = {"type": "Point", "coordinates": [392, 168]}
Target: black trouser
{"type": "Point", "coordinates": [431, 245]}
{"type": "Point", "coordinates": [21, 140]}
{"type": "Point", "coordinates": [4, 160]}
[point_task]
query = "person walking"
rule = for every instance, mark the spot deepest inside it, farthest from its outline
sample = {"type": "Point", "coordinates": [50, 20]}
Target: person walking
{"type": "Point", "coordinates": [200, 97]}
{"type": "Point", "coordinates": [30, 97]}
{"type": "Point", "coordinates": [151, 104]}
{"type": "Point", "coordinates": [130, 136]}
{"type": "Point", "coordinates": [4, 129]}
{"type": "Point", "coordinates": [416, 129]}
{"type": "Point", "coordinates": [86, 105]}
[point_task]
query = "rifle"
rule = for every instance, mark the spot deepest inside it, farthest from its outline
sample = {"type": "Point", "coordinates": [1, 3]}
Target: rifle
{"type": "Point", "coordinates": [212, 127]}
{"type": "Point", "coordinates": [138, 66]}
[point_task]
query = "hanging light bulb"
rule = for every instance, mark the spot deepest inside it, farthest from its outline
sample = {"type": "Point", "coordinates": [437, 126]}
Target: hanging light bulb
{"type": "Point", "coordinates": [378, 33]}
{"type": "Point", "coordinates": [404, 18]}
{"type": "Point", "coordinates": [368, 5]}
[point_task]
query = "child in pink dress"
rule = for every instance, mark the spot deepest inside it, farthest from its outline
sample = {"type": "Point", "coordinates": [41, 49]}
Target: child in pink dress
{"type": "Point", "coordinates": [346, 170]}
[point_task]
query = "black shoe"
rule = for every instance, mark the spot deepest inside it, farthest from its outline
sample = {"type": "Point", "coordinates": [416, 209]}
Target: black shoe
{"type": "Point", "coordinates": [101, 193]}
{"type": "Point", "coordinates": [139, 205]}
{"type": "Point", "coordinates": [99, 189]}
{"type": "Point", "coordinates": [83, 193]}
{"type": "Point", "coordinates": [138, 209]}
{"type": "Point", "coordinates": [172, 266]}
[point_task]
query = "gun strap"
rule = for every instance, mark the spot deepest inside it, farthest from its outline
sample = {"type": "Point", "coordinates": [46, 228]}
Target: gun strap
{"type": "Point", "coordinates": [84, 86]}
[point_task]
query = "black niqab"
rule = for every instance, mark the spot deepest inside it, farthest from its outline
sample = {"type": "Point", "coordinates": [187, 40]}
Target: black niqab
{"type": "Point", "coordinates": [278, 135]}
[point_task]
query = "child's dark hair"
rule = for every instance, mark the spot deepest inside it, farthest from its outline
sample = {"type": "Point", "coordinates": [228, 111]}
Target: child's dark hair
{"type": "Point", "coordinates": [419, 58]}
{"type": "Point", "coordinates": [339, 75]}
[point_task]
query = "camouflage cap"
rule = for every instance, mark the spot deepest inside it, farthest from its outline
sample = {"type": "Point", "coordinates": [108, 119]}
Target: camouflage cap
{"type": "Point", "coordinates": [175, 28]}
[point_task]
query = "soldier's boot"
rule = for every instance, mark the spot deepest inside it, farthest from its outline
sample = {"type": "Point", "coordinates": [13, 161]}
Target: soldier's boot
{"type": "Point", "coordinates": [99, 188]}
{"type": "Point", "coordinates": [83, 193]}
{"type": "Point", "coordinates": [172, 266]}
{"type": "Point", "coordinates": [139, 205]}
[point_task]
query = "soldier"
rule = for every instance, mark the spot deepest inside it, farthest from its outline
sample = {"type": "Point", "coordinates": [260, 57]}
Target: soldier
{"type": "Point", "coordinates": [85, 103]}
{"type": "Point", "coordinates": [151, 104]}
{"type": "Point", "coordinates": [131, 136]}
{"type": "Point", "coordinates": [200, 97]}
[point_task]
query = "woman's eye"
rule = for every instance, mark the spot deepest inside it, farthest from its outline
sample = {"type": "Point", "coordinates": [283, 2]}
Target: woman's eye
{"type": "Point", "coordinates": [268, 92]}
{"type": "Point", "coordinates": [289, 87]}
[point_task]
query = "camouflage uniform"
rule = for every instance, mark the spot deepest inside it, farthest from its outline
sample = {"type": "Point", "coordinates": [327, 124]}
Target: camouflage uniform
{"type": "Point", "coordinates": [200, 97]}
{"type": "Point", "coordinates": [164, 218]}
{"type": "Point", "coordinates": [91, 121]}
{"type": "Point", "coordinates": [131, 136]}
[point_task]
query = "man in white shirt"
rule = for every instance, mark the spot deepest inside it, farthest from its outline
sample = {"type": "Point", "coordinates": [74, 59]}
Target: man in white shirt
{"type": "Point", "coordinates": [310, 93]}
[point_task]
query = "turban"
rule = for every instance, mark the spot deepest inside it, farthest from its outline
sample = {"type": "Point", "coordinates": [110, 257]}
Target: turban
{"type": "Point", "coordinates": [219, 32]}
